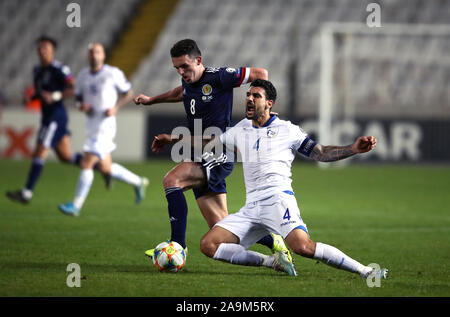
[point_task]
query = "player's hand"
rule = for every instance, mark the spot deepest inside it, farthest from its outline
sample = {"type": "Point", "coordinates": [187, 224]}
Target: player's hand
{"type": "Point", "coordinates": [86, 108]}
{"type": "Point", "coordinates": [160, 141]}
{"type": "Point", "coordinates": [47, 96]}
{"type": "Point", "coordinates": [364, 144]}
{"type": "Point", "coordinates": [142, 99]}
{"type": "Point", "coordinates": [111, 111]}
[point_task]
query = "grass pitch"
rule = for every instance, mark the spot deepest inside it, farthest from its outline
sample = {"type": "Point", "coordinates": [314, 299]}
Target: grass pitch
{"type": "Point", "coordinates": [396, 216]}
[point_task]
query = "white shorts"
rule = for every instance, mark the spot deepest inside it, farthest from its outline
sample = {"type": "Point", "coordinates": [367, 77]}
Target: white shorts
{"type": "Point", "coordinates": [277, 214]}
{"type": "Point", "coordinates": [100, 137]}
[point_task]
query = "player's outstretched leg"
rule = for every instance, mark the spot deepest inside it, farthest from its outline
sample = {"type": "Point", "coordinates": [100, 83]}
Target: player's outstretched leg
{"type": "Point", "coordinates": [299, 241]}
{"type": "Point", "coordinates": [83, 187]}
{"type": "Point", "coordinates": [139, 183]}
{"type": "Point", "coordinates": [221, 244]}
{"type": "Point", "coordinates": [37, 165]}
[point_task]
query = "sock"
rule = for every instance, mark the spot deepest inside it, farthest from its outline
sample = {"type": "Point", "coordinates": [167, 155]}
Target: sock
{"type": "Point", "coordinates": [178, 211]}
{"type": "Point", "coordinates": [267, 241]}
{"type": "Point", "coordinates": [76, 158]}
{"type": "Point", "coordinates": [237, 254]}
{"type": "Point", "coordinates": [121, 173]}
{"type": "Point", "coordinates": [37, 164]}
{"type": "Point", "coordinates": [84, 185]}
{"type": "Point", "coordinates": [336, 258]}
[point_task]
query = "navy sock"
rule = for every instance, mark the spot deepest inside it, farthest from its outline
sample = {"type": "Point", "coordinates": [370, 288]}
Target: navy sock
{"type": "Point", "coordinates": [267, 241]}
{"type": "Point", "coordinates": [76, 158]}
{"type": "Point", "coordinates": [177, 214]}
{"type": "Point", "coordinates": [37, 164]}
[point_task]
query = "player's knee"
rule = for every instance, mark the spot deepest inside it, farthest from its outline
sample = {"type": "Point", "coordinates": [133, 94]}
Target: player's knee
{"type": "Point", "coordinates": [304, 248]}
{"type": "Point", "coordinates": [170, 180]}
{"type": "Point", "coordinates": [207, 246]}
{"type": "Point", "coordinates": [65, 158]}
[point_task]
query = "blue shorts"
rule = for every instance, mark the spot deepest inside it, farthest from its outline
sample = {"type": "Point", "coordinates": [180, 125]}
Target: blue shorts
{"type": "Point", "coordinates": [216, 180]}
{"type": "Point", "coordinates": [53, 129]}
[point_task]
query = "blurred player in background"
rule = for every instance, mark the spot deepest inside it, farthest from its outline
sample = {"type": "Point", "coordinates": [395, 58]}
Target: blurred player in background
{"type": "Point", "coordinates": [97, 92]}
{"type": "Point", "coordinates": [269, 146]}
{"type": "Point", "coordinates": [52, 82]}
{"type": "Point", "coordinates": [207, 94]}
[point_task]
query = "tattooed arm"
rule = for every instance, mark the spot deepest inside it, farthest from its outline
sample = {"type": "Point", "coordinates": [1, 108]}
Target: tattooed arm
{"type": "Point", "coordinates": [333, 153]}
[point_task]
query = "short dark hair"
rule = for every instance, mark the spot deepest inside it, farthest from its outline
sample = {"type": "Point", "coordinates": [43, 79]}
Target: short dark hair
{"type": "Point", "coordinates": [185, 47]}
{"type": "Point", "coordinates": [45, 38]}
{"type": "Point", "coordinates": [271, 92]}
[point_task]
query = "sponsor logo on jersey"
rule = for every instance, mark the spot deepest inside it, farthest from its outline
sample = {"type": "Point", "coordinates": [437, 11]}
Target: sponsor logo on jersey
{"type": "Point", "coordinates": [230, 70]}
{"type": "Point", "coordinates": [207, 89]}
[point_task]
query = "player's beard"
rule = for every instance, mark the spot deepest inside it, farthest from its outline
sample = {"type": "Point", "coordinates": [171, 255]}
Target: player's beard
{"type": "Point", "coordinates": [256, 114]}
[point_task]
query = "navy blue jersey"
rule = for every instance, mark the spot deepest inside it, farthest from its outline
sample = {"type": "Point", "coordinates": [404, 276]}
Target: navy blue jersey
{"type": "Point", "coordinates": [211, 98]}
{"type": "Point", "coordinates": [51, 78]}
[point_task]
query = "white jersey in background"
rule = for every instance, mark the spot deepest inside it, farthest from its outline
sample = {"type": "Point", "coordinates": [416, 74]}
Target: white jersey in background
{"type": "Point", "coordinates": [267, 154]}
{"type": "Point", "coordinates": [101, 90]}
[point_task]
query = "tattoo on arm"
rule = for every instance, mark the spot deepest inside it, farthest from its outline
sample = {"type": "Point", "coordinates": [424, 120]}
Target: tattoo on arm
{"type": "Point", "coordinates": [331, 153]}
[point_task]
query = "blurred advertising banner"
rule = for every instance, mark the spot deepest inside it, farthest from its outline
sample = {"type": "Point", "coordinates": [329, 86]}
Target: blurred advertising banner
{"type": "Point", "coordinates": [399, 140]}
{"type": "Point", "coordinates": [18, 133]}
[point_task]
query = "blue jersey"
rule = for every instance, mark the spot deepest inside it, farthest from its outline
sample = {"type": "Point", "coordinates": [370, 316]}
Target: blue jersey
{"type": "Point", "coordinates": [51, 78]}
{"type": "Point", "coordinates": [211, 98]}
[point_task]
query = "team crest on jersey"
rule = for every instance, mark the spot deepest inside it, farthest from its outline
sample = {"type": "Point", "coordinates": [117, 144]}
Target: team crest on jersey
{"type": "Point", "coordinates": [207, 89]}
{"type": "Point", "coordinates": [272, 132]}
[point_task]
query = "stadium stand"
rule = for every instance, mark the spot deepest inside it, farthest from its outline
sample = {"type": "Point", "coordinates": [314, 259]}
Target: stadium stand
{"type": "Point", "coordinates": [279, 34]}
{"type": "Point", "coordinates": [282, 36]}
{"type": "Point", "coordinates": [22, 22]}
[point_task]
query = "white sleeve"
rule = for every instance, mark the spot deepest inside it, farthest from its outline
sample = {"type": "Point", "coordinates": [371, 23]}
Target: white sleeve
{"type": "Point", "coordinates": [227, 138]}
{"type": "Point", "coordinates": [301, 142]}
{"type": "Point", "coordinates": [121, 82]}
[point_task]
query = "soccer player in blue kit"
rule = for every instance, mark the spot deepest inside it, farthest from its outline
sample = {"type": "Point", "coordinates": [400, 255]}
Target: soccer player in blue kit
{"type": "Point", "coordinates": [53, 82]}
{"type": "Point", "coordinates": [207, 94]}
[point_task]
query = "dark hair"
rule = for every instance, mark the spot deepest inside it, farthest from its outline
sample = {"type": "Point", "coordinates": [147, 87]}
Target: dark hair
{"type": "Point", "coordinates": [45, 38]}
{"type": "Point", "coordinates": [185, 47]}
{"type": "Point", "coordinates": [271, 92]}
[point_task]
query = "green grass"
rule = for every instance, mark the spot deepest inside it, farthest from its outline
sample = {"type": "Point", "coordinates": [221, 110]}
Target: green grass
{"type": "Point", "coordinates": [396, 216]}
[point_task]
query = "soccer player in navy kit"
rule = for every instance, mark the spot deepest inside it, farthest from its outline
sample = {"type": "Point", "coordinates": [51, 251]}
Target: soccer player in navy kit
{"type": "Point", "coordinates": [52, 81]}
{"type": "Point", "coordinates": [207, 94]}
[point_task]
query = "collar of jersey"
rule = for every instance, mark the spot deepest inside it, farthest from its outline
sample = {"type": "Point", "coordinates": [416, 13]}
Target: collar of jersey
{"type": "Point", "coordinates": [267, 123]}
{"type": "Point", "coordinates": [97, 72]}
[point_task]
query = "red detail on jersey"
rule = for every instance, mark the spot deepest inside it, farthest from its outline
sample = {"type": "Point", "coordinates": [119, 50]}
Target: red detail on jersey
{"type": "Point", "coordinates": [243, 70]}
{"type": "Point", "coordinates": [69, 79]}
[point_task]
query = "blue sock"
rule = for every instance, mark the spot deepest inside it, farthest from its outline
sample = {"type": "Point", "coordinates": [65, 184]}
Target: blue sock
{"type": "Point", "coordinates": [37, 164]}
{"type": "Point", "coordinates": [267, 241]}
{"type": "Point", "coordinates": [177, 214]}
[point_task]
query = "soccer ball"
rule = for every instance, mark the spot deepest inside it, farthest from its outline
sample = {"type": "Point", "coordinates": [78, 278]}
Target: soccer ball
{"type": "Point", "coordinates": [169, 256]}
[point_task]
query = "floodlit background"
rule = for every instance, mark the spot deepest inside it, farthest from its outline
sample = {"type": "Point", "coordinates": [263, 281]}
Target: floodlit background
{"type": "Point", "coordinates": [392, 81]}
{"type": "Point", "coordinates": [339, 74]}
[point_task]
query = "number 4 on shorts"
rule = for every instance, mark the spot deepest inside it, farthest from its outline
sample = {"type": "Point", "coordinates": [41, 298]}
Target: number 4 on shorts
{"type": "Point", "coordinates": [287, 215]}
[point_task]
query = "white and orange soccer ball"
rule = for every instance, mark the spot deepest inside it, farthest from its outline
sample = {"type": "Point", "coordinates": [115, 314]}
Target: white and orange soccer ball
{"type": "Point", "coordinates": [169, 256]}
